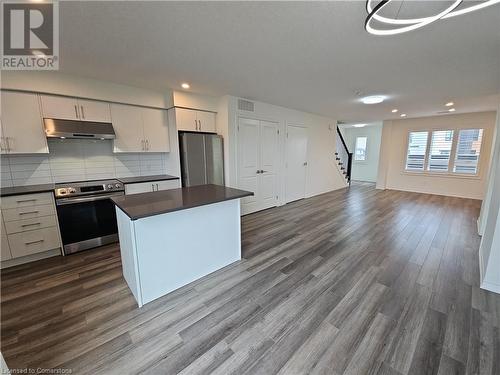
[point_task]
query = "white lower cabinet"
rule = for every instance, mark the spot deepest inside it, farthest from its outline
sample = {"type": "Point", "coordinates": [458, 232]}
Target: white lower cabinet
{"type": "Point", "coordinates": [29, 226]}
{"type": "Point", "coordinates": [150, 186]}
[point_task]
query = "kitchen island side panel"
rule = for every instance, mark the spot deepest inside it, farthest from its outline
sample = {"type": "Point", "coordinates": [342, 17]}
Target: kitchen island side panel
{"type": "Point", "coordinates": [176, 248]}
{"type": "Point", "coordinates": [128, 253]}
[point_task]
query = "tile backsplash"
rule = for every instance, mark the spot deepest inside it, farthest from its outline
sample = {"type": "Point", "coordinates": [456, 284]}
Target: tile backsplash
{"type": "Point", "coordinates": [77, 160]}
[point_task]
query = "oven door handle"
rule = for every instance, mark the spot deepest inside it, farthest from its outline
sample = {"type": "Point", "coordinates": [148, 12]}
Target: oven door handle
{"type": "Point", "coordinates": [64, 201]}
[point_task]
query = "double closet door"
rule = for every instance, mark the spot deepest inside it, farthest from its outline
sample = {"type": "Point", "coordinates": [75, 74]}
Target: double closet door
{"type": "Point", "coordinates": [258, 163]}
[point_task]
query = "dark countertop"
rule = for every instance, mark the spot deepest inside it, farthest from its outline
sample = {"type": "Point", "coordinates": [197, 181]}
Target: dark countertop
{"type": "Point", "coordinates": [29, 189]}
{"type": "Point", "coordinates": [137, 206]}
{"type": "Point", "coordinates": [158, 177]}
{"type": "Point", "coordinates": [32, 189]}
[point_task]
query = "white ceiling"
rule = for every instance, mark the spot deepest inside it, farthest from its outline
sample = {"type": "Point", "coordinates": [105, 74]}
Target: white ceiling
{"type": "Point", "coordinates": [311, 56]}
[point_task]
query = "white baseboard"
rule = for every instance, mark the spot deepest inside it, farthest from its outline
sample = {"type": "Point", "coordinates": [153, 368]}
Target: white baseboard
{"type": "Point", "coordinates": [490, 287]}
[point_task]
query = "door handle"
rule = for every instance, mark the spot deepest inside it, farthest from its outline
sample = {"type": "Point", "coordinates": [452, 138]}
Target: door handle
{"type": "Point", "coordinates": [76, 111]}
{"type": "Point", "coordinates": [83, 113]}
{"type": "Point", "coordinates": [305, 163]}
{"type": "Point", "coordinates": [258, 171]}
{"type": "Point", "coordinates": [262, 171]}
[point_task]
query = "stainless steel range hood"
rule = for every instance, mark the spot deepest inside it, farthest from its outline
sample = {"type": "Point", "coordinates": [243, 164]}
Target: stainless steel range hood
{"type": "Point", "coordinates": [55, 128]}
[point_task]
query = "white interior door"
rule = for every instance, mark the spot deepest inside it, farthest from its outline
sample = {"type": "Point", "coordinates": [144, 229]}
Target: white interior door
{"type": "Point", "coordinates": [268, 164]}
{"type": "Point", "coordinates": [249, 163]}
{"type": "Point", "coordinates": [296, 163]}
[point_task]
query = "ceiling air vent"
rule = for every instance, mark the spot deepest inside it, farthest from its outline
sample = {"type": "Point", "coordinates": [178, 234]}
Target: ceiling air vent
{"type": "Point", "coordinates": [245, 105]}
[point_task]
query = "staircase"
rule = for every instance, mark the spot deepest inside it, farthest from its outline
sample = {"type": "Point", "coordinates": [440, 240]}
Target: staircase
{"type": "Point", "coordinates": [343, 157]}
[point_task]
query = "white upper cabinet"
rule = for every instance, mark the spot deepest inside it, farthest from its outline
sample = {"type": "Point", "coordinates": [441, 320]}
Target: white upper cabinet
{"type": "Point", "coordinates": [92, 110]}
{"type": "Point", "coordinates": [206, 121]}
{"type": "Point", "coordinates": [139, 129]}
{"type": "Point", "coordinates": [60, 107]}
{"type": "Point", "coordinates": [185, 119]}
{"type": "Point", "coordinates": [155, 130]}
{"type": "Point", "coordinates": [22, 127]}
{"type": "Point", "coordinates": [195, 121]}
{"type": "Point", "coordinates": [127, 122]}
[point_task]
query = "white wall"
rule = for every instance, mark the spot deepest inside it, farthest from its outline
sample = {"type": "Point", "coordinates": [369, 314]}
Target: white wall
{"type": "Point", "coordinates": [392, 175]}
{"type": "Point", "coordinates": [63, 84]}
{"type": "Point", "coordinates": [197, 101]}
{"type": "Point", "coordinates": [364, 170]}
{"type": "Point", "coordinates": [322, 172]}
{"type": "Point", "coordinates": [489, 251]}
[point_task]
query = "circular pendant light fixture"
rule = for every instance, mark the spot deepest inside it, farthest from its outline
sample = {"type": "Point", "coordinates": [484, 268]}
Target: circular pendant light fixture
{"type": "Point", "coordinates": [405, 25]}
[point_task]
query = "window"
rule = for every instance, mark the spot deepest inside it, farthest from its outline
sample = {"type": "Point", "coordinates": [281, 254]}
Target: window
{"type": "Point", "coordinates": [417, 148]}
{"type": "Point", "coordinates": [440, 151]}
{"type": "Point", "coordinates": [360, 148]}
{"type": "Point", "coordinates": [436, 155]}
{"type": "Point", "coordinates": [468, 149]}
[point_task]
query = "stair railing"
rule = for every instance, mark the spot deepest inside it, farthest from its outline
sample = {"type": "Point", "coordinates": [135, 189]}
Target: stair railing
{"type": "Point", "coordinates": [343, 156]}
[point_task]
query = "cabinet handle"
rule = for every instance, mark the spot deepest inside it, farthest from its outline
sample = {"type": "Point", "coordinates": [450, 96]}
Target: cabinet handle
{"type": "Point", "coordinates": [26, 200]}
{"type": "Point", "coordinates": [153, 187]}
{"type": "Point", "coordinates": [1, 143]}
{"type": "Point", "coordinates": [8, 144]}
{"type": "Point", "coordinates": [199, 122]}
{"type": "Point", "coordinates": [28, 225]}
{"type": "Point", "coordinates": [142, 144]}
{"type": "Point", "coordinates": [157, 188]}
{"type": "Point", "coordinates": [147, 144]}
{"type": "Point", "coordinates": [28, 212]}
{"type": "Point", "coordinates": [83, 113]}
{"type": "Point", "coordinates": [32, 242]}
{"type": "Point", "coordinates": [196, 124]}
{"type": "Point", "coordinates": [76, 111]}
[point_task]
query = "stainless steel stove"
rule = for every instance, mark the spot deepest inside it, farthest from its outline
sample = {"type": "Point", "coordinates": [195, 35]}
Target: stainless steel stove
{"type": "Point", "coordinates": [86, 215]}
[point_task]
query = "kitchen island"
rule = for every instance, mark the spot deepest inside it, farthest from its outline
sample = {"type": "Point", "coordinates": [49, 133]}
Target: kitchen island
{"type": "Point", "coordinates": [170, 238]}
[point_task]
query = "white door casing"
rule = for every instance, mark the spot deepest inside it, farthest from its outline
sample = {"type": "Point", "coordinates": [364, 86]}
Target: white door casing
{"type": "Point", "coordinates": [296, 163]}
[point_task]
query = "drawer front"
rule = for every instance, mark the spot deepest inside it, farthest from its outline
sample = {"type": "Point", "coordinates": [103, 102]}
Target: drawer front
{"type": "Point", "coordinates": [30, 212]}
{"type": "Point", "coordinates": [17, 201]}
{"type": "Point", "coordinates": [140, 187]}
{"type": "Point", "coordinates": [168, 184]}
{"type": "Point", "coordinates": [33, 241]}
{"type": "Point", "coordinates": [30, 224]}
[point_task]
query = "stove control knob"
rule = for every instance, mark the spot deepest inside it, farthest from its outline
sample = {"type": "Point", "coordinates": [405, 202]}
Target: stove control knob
{"type": "Point", "coordinates": [110, 186]}
{"type": "Point", "coordinates": [72, 191]}
{"type": "Point", "coordinates": [118, 186]}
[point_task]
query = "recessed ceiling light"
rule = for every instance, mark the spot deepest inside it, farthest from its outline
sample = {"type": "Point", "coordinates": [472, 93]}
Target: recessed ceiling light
{"type": "Point", "coordinates": [403, 115]}
{"type": "Point", "coordinates": [394, 110]}
{"type": "Point", "coordinates": [374, 99]}
{"type": "Point", "coordinates": [452, 110]}
{"type": "Point", "coordinates": [359, 125]}
{"type": "Point", "coordinates": [185, 85]}
{"type": "Point", "coordinates": [449, 104]}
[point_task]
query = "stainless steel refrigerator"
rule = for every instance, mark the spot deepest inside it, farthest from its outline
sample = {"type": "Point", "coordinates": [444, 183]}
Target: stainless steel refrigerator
{"type": "Point", "coordinates": [202, 158]}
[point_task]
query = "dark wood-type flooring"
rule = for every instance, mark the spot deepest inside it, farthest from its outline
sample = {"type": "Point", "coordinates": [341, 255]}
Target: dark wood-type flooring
{"type": "Point", "coordinates": [356, 281]}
